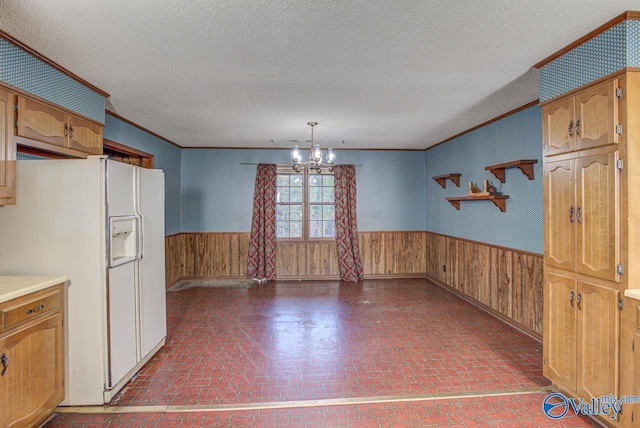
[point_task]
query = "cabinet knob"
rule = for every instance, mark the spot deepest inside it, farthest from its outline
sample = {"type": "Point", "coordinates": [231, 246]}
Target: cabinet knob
{"type": "Point", "coordinates": [579, 214]}
{"type": "Point", "coordinates": [578, 127]}
{"type": "Point", "coordinates": [571, 128]}
{"type": "Point", "coordinates": [571, 216]}
{"type": "Point", "coordinates": [66, 130]}
{"type": "Point", "coordinates": [572, 295]}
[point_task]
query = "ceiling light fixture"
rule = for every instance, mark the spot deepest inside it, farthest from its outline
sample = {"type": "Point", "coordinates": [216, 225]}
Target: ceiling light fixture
{"type": "Point", "coordinates": [315, 155]}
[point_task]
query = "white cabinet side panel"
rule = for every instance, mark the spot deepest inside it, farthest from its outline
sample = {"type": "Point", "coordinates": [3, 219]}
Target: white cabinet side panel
{"type": "Point", "coordinates": [58, 228]}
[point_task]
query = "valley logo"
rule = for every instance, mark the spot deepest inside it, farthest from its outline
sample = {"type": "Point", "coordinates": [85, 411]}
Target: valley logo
{"type": "Point", "coordinates": [556, 405]}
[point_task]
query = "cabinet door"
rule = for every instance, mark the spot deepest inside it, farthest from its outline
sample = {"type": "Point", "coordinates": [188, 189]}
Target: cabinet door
{"type": "Point", "coordinates": [559, 215]}
{"type": "Point", "coordinates": [41, 122]}
{"type": "Point", "coordinates": [636, 367]}
{"type": "Point", "coordinates": [560, 327]}
{"type": "Point", "coordinates": [597, 216]}
{"type": "Point", "coordinates": [596, 116]}
{"type": "Point", "coordinates": [7, 150]}
{"type": "Point", "coordinates": [558, 132]}
{"type": "Point", "coordinates": [598, 336]}
{"type": "Point", "coordinates": [85, 136]}
{"type": "Point", "coordinates": [32, 385]}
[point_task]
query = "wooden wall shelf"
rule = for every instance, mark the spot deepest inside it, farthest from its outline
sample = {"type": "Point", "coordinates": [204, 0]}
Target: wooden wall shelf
{"type": "Point", "coordinates": [524, 165]}
{"type": "Point", "coordinates": [442, 179]}
{"type": "Point", "coordinates": [499, 201]}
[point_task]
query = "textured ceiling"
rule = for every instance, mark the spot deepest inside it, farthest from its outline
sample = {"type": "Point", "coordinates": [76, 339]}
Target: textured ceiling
{"type": "Point", "coordinates": [376, 74]}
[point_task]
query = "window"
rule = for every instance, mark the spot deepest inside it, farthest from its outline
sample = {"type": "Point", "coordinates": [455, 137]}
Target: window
{"type": "Point", "coordinates": [305, 205]}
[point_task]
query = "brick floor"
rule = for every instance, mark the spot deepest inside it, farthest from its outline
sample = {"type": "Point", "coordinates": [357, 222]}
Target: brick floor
{"type": "Point", "coordinates": [325, 340]}
{"type": "Point", "coordinates": [504, 411]}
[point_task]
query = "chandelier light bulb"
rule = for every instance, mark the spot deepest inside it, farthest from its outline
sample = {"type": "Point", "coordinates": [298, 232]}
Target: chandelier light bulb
{"type": "Point", "coordinates": [296, 156]}
{"type": "Point", "coordinates": [317, 154]}
{"type": "Point", "coordinates": [331, 157]}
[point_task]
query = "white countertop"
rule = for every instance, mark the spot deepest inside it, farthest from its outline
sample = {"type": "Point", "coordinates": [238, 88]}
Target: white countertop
{"type": "Point", "coordinates": [634, 293]}
{"type": "Point", "coordinates": [17, 286]}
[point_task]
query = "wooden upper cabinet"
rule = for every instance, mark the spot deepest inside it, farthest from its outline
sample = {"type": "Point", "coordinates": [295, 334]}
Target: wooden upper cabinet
{"type": "Point", "coordinates": [597, 116]}
{"type": "Point", "coordinates": [559, 215]}
{"type": "Point", "coordinates": [42, 123]}
{"type": "Point", "coordinates": [557, 126]}
{"type": "Point", "coordinates": [7, 149]}
{"type": "Point", "coordinates": [85, 136]}
{"type": "Point", "coordinates": [585, 120]}
{"type": "Point", "coordinates": [597, 216]}
{"type": "Point", "coordinates": [560, 330]}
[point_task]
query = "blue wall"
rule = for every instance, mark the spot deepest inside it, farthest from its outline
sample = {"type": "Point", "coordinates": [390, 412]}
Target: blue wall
{"type": "Point", "coordinates": [217, 192]}
{"type": "Point", "coordinates": [167, 158]}
{"type": "Point", "coordinates": [518, 136]}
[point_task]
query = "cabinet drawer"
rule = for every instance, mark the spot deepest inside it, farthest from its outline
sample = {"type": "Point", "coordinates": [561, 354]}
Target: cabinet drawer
{"type": "Point", "coordinates": [31, 309]}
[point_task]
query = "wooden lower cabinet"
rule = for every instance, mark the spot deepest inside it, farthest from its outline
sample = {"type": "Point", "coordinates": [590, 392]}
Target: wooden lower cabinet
{"type": "Point", "coordinates": [32, 384]}
{"type": "Point", "coordinates": [581, 341]}
{"type": "Point", "coordinates": [561, 330]}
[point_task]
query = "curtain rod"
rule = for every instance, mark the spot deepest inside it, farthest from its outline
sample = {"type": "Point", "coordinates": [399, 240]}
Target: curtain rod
{"type": "Point", "coordinates": [254, 163]}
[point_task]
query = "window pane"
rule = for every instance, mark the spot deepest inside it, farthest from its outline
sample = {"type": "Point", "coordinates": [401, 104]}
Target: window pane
{"type": "Point", "coordinates": [295, 230]}
{"type": "Point", "coordinates": [315, 212]}
{"type": "Point", "coordinates": [296, 212]}
{"type": "Point", "coordinates": [283, 180]}
{"type": "Point", "coordinates": [315, 229]}
{"type": "Point", "coordinates": [283, 194]}
{"type": "Point", "coordinates": [328, 212]}
{"type": "Point", "coordinates": [282, 212]}
{"type": "Point", "coordinates": [327, 194]}
{"type": "Point", "coordinates": [329, 229]}
{"type": "Point", "coordinates": [296, 181]}
{"type": "Point", "coordinates": [327, 180]}
{"type": "Point", "coordinates": [315, 180]}
{"type": "Point", "coordinates": [280, 229]}
{"type": "Point", "coordinates": [315, 194]}
{"type": "Point", "coordinates": [295, 194]}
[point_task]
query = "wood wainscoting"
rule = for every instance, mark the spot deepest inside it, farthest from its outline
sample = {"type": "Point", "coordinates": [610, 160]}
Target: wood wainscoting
{"type": "Point", "coordinates": [504, 281]}
{"type": "Point", "coordinates": [224, 255]}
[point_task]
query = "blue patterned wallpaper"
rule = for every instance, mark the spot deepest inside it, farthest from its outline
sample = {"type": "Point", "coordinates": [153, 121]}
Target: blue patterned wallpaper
{"type": "Point", "coordinates": [29, 156]}
{"type": "Point", "coordinates": [518, 136]}
{"type": "Point", "coordinates": [19, 69]}
{"type": "Point", "coordinates": [616, 48]}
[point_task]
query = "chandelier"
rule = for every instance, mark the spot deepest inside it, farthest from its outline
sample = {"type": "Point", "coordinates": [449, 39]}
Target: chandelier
{"type": "Point", "coordinates": [315, 155]}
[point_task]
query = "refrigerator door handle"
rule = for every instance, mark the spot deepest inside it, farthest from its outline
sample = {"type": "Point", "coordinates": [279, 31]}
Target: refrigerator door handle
{"type": "Point", "coordinates": [140, 236]}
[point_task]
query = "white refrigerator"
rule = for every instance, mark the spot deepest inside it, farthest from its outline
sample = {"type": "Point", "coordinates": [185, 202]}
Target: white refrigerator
{"type": "Point", "coordinates": [101, 223]}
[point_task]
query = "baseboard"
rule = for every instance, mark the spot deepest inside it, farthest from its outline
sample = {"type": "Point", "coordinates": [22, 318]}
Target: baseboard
{"type": "Point", "coordinates": [309, 278]}
{"type": "Point", "coordinates": [532, 334]}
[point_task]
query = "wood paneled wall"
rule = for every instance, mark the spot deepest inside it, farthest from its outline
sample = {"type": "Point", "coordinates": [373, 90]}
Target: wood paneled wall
{"type": "Point", "coordinates": [506, 281]}
{"type": "Point", "coordinates": [174, 252]}
{"type": "Point", "coordinates": [384, 254]}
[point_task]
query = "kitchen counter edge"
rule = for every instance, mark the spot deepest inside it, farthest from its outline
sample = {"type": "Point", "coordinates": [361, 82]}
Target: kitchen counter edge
{"type": "Point", "coordinates": [12, 287]}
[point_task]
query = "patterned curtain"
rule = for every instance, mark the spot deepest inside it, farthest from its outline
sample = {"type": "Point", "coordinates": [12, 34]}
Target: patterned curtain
{"type": "Point", "coordinates": [262, 243]}
{"type": "Point", "coordinates": [349, 261]}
